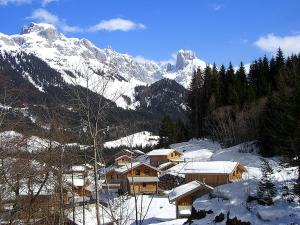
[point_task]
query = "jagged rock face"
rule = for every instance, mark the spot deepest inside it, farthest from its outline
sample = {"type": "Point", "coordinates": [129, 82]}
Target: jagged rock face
{"type": "Point", "coordinates": [72, 56]}
{"type": "Point", "coordinates": [183, 58]}
{"type": "Point", "coordinates": [44, 30]}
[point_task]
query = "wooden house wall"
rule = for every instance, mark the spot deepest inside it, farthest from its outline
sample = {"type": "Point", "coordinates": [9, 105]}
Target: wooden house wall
{"type": "Point", "coordinates": [210, 179]}
{"type": "Point", "coordinates": [188, 200]}
{"type": "Point", "coordinates": [123, 160]}
{"type": "Point", "coordinates": [157, 160]}
{"type": "Point", "coordinates": [144, 171]}
{"type": "Point", "coordinates": [140, 188]}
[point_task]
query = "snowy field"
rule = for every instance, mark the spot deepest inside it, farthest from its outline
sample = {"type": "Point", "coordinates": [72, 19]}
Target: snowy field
{"type": "Point", "coordinates": [160, 210]}
{"type": "Point", "coordinates": [140, 139]}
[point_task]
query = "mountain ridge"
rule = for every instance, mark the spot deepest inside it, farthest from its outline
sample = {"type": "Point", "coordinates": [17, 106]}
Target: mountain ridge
{"type": "Point", "coordinates": [70, 55]}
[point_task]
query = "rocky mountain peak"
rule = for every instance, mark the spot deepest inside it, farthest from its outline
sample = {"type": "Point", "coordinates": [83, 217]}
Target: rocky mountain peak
{"type": "Point", "coordinates": [183, 57]}
{"type": "Point", "coordinates": [45, 30]}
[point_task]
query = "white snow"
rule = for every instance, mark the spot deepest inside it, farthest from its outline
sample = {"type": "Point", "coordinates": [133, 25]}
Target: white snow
{"type": "Point", "coordinates": [75, 55]}
{"type": "Point", "coordinates": [185, 188]}
{"type": "Point", "coordinates": [212, 167]}
{"type": "Point", "coordinates": [160, 152]}
{"type": "Point", "coordinates": [140, 139]}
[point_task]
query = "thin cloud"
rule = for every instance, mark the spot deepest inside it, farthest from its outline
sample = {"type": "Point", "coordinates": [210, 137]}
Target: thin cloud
{"type": "Point", "coordinates": [271, 42]}
{"type": "Point", "coordinates": [116, 24]}
{"type": "Point", "coordinates": [14, 2]}
{"type": "Point", "coordinates": [45, 16]}
{"type": "Point", "coordinates": [46, 2]}
{"type": "Point", "coordinates": [218, 7]}
{"type": "Point", "coordinates": [172, 60]}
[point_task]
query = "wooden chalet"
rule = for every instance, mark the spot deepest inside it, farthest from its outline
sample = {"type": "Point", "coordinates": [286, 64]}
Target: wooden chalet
{"type": "Point", "coordinates": [77, 179]}
{"type": "Point", "coordinates": [183, 196]}
{"type": "Point", "coordinates": [122, 160]}
{"type": "Point", "coordinates": [135, 178]}
{"type": "Point", "coordinates": [132, 153]}
{"type": "Point", "coordinates": [160, 156]}
{"type": "Point", "coordinates": [213, 173]}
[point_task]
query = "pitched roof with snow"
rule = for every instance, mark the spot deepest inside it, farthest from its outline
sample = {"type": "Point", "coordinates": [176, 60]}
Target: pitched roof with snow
{"type": "Point", "coordinates": [185, 189]}
{"type": "Point", "coordinates": [213, 167]}
{"type": "Point", "coordinates": [161, 152]}
{"type": "Point", "coordinates": [129, 166]}
{"type": "Point", "coordinates": [123, 156]}
{"type": "Point", "coordinates": [162, 166]}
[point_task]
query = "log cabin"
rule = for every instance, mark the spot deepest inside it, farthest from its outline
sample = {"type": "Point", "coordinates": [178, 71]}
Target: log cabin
{"type": "Point", "coordinates": [183, 196]}
{"type": "Point", "coordinates": [160, 156]}
{"type": "Point", "coordinates": [213, 173]}
{"type": "Point", "coordinates": [135, 178]}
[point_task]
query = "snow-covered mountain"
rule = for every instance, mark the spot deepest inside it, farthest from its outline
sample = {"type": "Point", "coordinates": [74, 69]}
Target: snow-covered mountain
{"type": "Point", "coordinates": [73, 58]}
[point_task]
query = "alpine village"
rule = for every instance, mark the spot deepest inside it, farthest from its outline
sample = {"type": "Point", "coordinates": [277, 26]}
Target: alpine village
{"type": "Point", "coordinates": [94, 135]}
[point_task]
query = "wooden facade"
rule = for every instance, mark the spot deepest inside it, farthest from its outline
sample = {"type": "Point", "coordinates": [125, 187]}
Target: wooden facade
{"type": "Point", "coordinates": [184, 195]}
{"type": "Point", "coordinates": [184, 204]}
{"type": "Point", "coordinates": [137, 172]}
{"type": "Point", "coordinates": [217, 179]}
{"type": "Point", "coordinates": [173, 156]}
{"type": "Point", "coordinates": [122, 160]}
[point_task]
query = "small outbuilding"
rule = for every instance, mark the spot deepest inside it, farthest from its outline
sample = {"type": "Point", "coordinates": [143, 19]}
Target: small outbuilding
{"type": "Point", "coordinates": [183, 196]}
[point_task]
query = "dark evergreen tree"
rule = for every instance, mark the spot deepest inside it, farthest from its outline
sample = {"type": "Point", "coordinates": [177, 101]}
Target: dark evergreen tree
{"type": "Point", "coordinates": [266, 188]}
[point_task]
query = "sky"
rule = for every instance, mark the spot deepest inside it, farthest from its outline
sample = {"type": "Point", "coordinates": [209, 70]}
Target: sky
{"type": "Point", "coordinates": [218, 31]}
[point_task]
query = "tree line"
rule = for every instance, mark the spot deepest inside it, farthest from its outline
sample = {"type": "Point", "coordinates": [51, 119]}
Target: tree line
{"type": "Point", "coordinates": [232, 105]}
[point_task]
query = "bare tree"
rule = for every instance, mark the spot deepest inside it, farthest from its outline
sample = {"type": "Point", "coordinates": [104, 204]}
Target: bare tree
{"type": "Point", "coordinates": [88, 99]}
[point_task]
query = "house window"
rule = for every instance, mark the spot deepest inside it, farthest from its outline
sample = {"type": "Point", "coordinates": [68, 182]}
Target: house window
{"type": "Point", "coordinates": [147, 171]}
{"type": "Point", "coordinates": [137, 172]}
{"type": "Point", "coordinates": [144, 185]}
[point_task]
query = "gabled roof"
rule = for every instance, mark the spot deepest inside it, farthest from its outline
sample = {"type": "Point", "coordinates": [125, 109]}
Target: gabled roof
{"type": "Point", "coordinates": [186, 189]}
{"type": "Point", "coordinates": [162, 152]}
{"type": "Point", "coordinates": [122, 156]}
{"type": "Point", "coordinates": [128, 166]}
{"type": "Point", "coordinates": [210, 167]}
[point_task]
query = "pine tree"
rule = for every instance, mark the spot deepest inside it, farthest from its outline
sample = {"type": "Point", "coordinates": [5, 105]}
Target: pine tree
{"type": "Point", "coordinates": [232, 94]}
{"type": "Point", "coordinates": [194, 100]}
{"type": "Point", "coordinates": [266, 188]}
{"type": "Point", "coordinates": [166, 132]}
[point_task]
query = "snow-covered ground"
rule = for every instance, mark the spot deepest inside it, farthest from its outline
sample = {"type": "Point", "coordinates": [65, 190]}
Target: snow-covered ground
{"type": "Point", "coordinates": [140, 139]}
{"type": "Point", "coordinates": [160, 210]}
{"type": "Point", "coordinates": [14, 141]}
{"type": "Point", "coordinates": [232, 198]}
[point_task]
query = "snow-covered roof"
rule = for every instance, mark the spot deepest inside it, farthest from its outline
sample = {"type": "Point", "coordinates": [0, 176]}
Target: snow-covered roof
{"type": "Point", "coordinates": [129, 166]}
{"type": "Point", "coordinates": [160, 152]}
{"type": "Point", "coordinates": [214, 167]}
{"type": "Point", "coordinates": [122, 156]}
{"type": "Point", "coordinates": [138, 151]}
{"type": "Point", "coordinates": [80, 168]}
{"type": "Point", "coordinates": [142, 179]}
{"type": "Point", "coordinates": [185, 189]}
{"type": "Point", "coordinates": [161, 166]}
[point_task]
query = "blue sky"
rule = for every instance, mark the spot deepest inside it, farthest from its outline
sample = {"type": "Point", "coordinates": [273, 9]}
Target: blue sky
{"type": "Point", "coordinates": [218, 31]}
